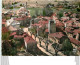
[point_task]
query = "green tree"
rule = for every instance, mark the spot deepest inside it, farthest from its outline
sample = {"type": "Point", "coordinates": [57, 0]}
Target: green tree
{"type": "Point", "coordinates": [11, 7]}
{"type": "Point", "coordinates": [20, 4]}
{"type": "Point", "coordinates": [78, 9]}
{"type": "Point", "coordinates": [67, 47]}
{"type": "Point", "coordinates": [47, 11]}
{"type": "Point", "coordinates": [8, 48]}
{"type": "Point", "coordinates": [3, 5]}
{"type": "Point", "coordinates": [60, 14]}
{"type": "Point", "coordinates": [5, 36]}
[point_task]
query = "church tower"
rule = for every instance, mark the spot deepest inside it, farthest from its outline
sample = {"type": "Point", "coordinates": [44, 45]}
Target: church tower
{"type": "Point", "coordinates": [51, 26]}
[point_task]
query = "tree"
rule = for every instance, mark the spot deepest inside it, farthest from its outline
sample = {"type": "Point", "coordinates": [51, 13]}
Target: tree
{"type": "Point", "coordinates": [33, 30]}
{"type": "Point", "coordinates": [20, 4]}
{"type": "Point", "coordinates": [60, 14]}
{"type": "Point", "coordinates": [3, 5]}
{"type": "Point", "coordinates": [5, 36]}
{"type": "Point", "coordinates": [66, 45]}
{"type": "Point", "coordinates": [8, 48]}
{"type": "Point", "coordinates": [78, 9]}
{"type": "Point", "coordinates": [47, 11]}
{"type": "Point", "coordinates": [11, 7]}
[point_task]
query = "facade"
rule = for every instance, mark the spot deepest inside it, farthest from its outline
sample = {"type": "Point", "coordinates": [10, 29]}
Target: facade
{"type": "Point", "coordinates": [30, 44]}
{"type": "Point", "coordinates": [51, 27]}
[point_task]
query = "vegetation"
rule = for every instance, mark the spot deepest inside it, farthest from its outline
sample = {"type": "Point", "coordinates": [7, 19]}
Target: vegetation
{"type": "Point", "coordinates": [11, 7]}
{"type": "Point", "coordinates": [3, 5]}
{"type": "Point", "coordinates": [20, 4]}
{"type": "Point", "coordinates": [66, 46]}
{"type": "Point", "coordinates": [47, 11]}
{"type": "Point", "coordinates": [14, 3]}
{"type": "Point", "coordinates": [33, 30]}
{"type": "Point", "coordinates": [5, 36]}
{"type": "Point", "coordinates": [8, 48]}
{"type": "Point", "coordinates": [60, 14]}
{"type": "Point", "coordinates": [78, 9]}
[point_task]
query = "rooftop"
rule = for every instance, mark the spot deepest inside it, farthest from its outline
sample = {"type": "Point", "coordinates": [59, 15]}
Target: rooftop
{"type": "Point", "coordinates": [76, 42]}
{"type": "Point", "coordinates": [4, 30]}
{"type": "Point", "coordinates": [57, 35]}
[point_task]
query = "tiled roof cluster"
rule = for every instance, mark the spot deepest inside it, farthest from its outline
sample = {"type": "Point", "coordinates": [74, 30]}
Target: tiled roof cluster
{"type": "Point", "coordinates": [4, 30]}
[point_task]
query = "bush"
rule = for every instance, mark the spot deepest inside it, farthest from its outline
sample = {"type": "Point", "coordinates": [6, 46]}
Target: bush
{"type": "Point", "coordinates": [9, 48]}
{"type": "Point", "coordinates": [3, 5]}
{"type": "Point", "coordinates": [78, 9]}
{"type": "Point", "coordinates": [60, 14]}
{"type": "Point", "coordinates": [15, 3]}
{"type": "Point", "coordinates": [20, 4]}
{"type": "Point", "coordinates": [11, 7]}
{"type": "Point", "coordinates": [47, 11]}
{"type": "Point", "coordinates": [33, 30]}
{"type": "Point", "coordinates": [67, 47]}
{"type": "Point", "coordinates": [5, 36]}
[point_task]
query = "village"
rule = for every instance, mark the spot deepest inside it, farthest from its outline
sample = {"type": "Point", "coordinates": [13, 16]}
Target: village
{"type": "Point", "coordinates": [52, 30]}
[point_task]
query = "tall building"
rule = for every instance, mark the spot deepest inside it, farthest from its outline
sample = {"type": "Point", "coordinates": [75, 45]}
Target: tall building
{"type": "Point", "coordinates": [52, 26]}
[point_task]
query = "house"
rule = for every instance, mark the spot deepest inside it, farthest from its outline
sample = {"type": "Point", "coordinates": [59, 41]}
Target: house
{"type": "Point", "coordinates": [11, 28]}
{"type": "Point", "coordinates": [23, 20]}
{"type": "Point", "coordinates": [30, 44]}
{"type": "Point", "coordinates": [8, 22]}
{"type": "Point", "coordinates": [55, 37]}
{"type": "Point", "coordinates": [3, 22]}
{"type": "Point", "coordinates": [74, 41]}
{"type": "Point", "coordinates": [18, 34]}
{"type": "Point", "coordinates": [15, 24]}
{"type": "Point", "coordinates": [4, 30]}
{"type": "Point", "coordinates": [77, 32]}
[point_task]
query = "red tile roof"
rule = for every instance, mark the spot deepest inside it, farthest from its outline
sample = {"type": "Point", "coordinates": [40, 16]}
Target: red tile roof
{"type": "Point", "coordinates": [14, 33]}
{"type": "Point", "coordinates": [36, 24]}
{"type": "Point", "coordinates": [18, 36]}
{"type": "Point", "coordinates": [48, 18]}
{"type": "Point", "coordinates": [46, 30]}
{"type": "Point", "coordinates": [74, 25]}
{"type": "Point", "coordinates": [29, 39]}
{"type": "Point", "coordinates": [78, 24]}
{"type": "Point", "coordinates": [3, 21]}
{"type": "Point", "coordinates": [4, 30]}
{"type": "Point", "coordinates": [20, 18]}
{"type": "Point", "coordinates": [57, 35]}
{"type": "Point", "coordinates": [76, 31]}
{"type": "Point", "coordinates": [68, 29]}
{"type": "Point", "coordinates": [59, 24]}
{"type": "Point", "coordinates": [76, 42]}
{"type": "Point", "coordinates": [79, 49]}
{"type": "Point", "coordinates": [69, 22]}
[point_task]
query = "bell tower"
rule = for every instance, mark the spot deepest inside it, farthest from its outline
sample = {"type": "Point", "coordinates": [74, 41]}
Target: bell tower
{"type": "Point", "coordinates": [51, 26]}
